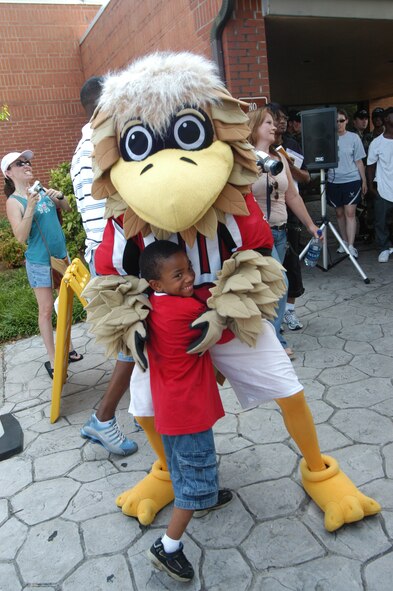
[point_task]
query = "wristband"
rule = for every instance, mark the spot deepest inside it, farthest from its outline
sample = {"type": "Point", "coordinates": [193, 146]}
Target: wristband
{"type": "Point", "coordinates": [61, 197]}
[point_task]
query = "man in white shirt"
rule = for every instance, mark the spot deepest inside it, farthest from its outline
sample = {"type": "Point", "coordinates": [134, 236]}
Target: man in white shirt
{"type": "Point", "coordinates": [102, 426]}
{"type": "Point", "coordinates": [91, 210]}
{"type": "Point", "coordinates": [380, 170]}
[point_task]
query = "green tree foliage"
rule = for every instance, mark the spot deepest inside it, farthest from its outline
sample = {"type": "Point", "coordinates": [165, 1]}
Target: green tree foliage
{"type": "Point", "coordinates": [60, 179]}
{"type": "Point", "coordinates": [18, 305]}
{"type": "Point", "coordinates": [4, 113]}
{"type": "Point", "coordinates": [11, 251]}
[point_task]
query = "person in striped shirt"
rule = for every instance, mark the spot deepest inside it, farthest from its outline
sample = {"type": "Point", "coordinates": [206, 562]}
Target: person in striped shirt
{"type": "Point", "coordinates": [102, 425]}
{"type": "Point", "coordinates": [91, 210]}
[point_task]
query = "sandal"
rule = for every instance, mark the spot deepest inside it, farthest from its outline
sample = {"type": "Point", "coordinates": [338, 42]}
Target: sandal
{"type": "Point", "coordinates": [73, 356]}
{"type": "Point", "coordinates": [290, 353]}
{"type": "Point", "coordinates": [49, 369]}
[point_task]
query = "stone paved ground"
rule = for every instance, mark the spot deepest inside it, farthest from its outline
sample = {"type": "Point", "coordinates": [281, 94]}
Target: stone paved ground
{"type": "Point", "coordinates": [61, 531]}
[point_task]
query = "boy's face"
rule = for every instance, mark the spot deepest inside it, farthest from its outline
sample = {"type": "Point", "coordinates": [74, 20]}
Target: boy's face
{"type": "Point", "coordinates": [176, 276]}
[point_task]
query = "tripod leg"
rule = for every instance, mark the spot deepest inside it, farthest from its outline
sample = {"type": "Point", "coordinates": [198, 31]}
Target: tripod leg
{"type": "Point", "coordinates": [352, 259]}
{"type": "Point", "coordinates": [325, 253]}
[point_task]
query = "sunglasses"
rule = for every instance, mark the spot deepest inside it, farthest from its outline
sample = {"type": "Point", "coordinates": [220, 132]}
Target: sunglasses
{"type": "Point", "coordinates": [341, 120]}
{"type": "Point", "coordinates": [20, 163]}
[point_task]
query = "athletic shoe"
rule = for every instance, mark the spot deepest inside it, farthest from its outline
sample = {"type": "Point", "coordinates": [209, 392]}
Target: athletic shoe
{"type": "Point", "coordinates": [353, 251]}
{"type": "Point", "coordinates": [292, 321]}
{"type": "Point", "coordinates": [109, 436]}
{"type": "Point", "coordinates": [224, 498]}
{"type": "Point", "coordinates": [340, 249]}
{"type": "Point", "coordinates": [173, 563]}
{"type": "Point", "coordinates": [384, 255]}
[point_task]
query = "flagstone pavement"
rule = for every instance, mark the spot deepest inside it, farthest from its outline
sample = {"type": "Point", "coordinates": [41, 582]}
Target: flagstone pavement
{"type": "Point", "coordinates": [60, 529]}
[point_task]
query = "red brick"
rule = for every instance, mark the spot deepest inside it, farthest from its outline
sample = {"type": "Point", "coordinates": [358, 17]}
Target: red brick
{"type": "Point", "coordinates": [40, 46]}
{"type": "Point", "coordinates": [40, 78]}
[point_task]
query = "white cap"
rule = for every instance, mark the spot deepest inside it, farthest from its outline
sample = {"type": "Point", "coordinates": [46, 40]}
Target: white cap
{"type": "Point", "coordinates": [11, 157]}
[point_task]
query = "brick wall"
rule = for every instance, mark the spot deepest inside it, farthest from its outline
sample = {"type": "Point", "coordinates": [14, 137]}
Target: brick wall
{"type": "Point", "coordinates": [245, 51]}
{"type": "Point", "coordinates": [42, 65]}
{"type": "Point", "coordinates": [129, 29]}
{"type": "Point", "coordinates": [180, 25]}
{"type": "Point", "coordinates": [40, 79]}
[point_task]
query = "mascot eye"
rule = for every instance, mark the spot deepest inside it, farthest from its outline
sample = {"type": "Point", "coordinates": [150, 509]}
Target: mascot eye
{"type": "Point", "coordinates": [190, 133]}
{"type": "Point", "coordinates": [136, 144]}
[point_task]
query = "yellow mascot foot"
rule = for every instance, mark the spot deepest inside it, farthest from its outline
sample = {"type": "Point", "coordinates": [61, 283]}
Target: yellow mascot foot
{"type": "Point", "coordinates": [148, 497]}
{"type": "Point", "coordinates": [336, 495]}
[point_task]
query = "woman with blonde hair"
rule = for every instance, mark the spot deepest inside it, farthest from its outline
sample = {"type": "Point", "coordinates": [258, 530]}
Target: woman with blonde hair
{"type": "Point", "coordinates": [273, 194]}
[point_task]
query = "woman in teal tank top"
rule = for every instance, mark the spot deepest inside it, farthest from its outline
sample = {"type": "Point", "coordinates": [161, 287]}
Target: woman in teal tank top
{"type": "Point", "coordinates": [33, 218]}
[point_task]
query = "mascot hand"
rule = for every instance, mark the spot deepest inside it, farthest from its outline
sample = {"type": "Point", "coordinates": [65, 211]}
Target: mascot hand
{"type": "Point", "coordinates": [211, 325]}
{"type": "Point", "coordinates": [136, 341]}
{"type": "Point", "coordinates": [116, 312]}
{"type": "Point", "coordinates": [336, 495]}
{"type": "Point", "coordinates": [247, 289]}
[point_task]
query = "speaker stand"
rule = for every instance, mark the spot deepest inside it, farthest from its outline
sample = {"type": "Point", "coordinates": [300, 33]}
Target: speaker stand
{"type": "Point", "coordinates": [325, 225]}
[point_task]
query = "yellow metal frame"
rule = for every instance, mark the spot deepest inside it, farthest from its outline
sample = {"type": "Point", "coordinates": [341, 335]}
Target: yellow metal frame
{"type": "Point", "coordinates": [74, 281]}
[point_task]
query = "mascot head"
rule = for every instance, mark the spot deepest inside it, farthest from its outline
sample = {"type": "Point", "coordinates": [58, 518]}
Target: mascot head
{"type": "Point", "coordinates": [170, 147]}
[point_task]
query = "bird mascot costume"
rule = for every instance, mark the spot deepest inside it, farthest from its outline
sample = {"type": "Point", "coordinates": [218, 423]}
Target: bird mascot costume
{"type": "Point", "coordinates": [172, 159]}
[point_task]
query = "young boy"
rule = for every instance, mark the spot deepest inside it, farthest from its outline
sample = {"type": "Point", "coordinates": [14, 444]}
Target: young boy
{"type": "Point", "coordinates": [185, 398]}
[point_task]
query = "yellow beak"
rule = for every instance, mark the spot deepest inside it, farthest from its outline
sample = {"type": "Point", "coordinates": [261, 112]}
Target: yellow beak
{"type": "Point", "coordinates": [173, 189]}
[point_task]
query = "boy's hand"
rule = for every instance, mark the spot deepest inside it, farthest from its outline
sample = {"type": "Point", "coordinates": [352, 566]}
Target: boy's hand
{"type": "Point", "coordinates": [211, 325]}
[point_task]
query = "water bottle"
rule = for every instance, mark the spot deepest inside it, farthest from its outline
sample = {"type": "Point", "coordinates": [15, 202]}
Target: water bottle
{"type": "Point", "coordinates": [314, 250]}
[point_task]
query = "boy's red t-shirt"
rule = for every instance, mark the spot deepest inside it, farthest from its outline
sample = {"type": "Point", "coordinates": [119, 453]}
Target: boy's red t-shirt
{"type": "Point", "coordinates": [184, 388]}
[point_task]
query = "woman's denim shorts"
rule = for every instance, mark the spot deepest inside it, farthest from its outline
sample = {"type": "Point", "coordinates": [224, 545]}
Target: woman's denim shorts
{"type": "Point", "coordinates": [38, 275]}
{"type": "Point", "coordinates": [192, 465]}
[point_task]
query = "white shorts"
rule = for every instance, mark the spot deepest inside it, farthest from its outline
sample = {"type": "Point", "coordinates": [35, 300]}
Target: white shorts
{"type": "Point", "coordinates": [256, 375]}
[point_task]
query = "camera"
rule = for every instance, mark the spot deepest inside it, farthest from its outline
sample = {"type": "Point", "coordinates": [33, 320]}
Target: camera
{"type": "Point", "coordinates": [268, 164]}
{"type": "Point", "coordinates": [38, 188]}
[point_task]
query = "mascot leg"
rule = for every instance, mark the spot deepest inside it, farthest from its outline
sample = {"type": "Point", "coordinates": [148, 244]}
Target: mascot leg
{"type": "Point", "coordinates": [322, 478]}
{"type": "Point", "coordinates": [155, 491]}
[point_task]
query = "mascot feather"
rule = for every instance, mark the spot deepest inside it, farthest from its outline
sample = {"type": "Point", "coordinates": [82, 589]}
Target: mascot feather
{"type": "Point", "coordinates": [172, 159]}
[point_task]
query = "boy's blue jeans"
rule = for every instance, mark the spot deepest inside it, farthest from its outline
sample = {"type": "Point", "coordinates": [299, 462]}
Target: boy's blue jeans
{"type": "Point", "coordinates": [192, 465]}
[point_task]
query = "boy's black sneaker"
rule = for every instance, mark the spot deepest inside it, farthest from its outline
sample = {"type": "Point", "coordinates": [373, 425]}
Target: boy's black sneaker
{"type": "Point", "coordinates": [224, 498]}
{"type": "Point", "coordinates": [174, 563]}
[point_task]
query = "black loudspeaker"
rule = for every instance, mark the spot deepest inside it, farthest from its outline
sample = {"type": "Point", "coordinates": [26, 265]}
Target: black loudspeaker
{"type": "Point", "coordinates": [319, 138]}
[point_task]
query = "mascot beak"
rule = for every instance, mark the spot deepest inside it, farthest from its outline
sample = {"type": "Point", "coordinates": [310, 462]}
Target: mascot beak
{"type": "Point", "coordinates": [173, 189]}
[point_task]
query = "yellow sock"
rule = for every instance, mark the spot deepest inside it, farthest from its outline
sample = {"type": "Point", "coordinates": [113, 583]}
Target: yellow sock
{"type": "Point", "coordinates": [300, 424]}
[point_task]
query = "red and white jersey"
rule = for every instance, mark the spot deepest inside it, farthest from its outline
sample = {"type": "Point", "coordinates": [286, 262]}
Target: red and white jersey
{"type": "Point", "coordinates": [108, 258]}
{"type": "Point", "coordinates": [206, 255]}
